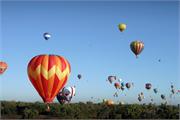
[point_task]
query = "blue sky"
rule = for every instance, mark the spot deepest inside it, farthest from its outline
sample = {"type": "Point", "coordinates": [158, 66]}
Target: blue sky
{"type": "Point", "coordinates": [86, 33]}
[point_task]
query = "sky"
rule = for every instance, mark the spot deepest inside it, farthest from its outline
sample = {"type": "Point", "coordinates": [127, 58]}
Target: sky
{"type": "Point", "coordinates": [87, 35]}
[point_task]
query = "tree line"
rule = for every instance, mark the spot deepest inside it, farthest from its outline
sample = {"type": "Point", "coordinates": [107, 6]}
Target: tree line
{"type": "Point", "coordinates": [88, 110]}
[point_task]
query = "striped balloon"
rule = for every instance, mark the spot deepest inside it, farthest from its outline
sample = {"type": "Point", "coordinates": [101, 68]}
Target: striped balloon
{"type": "Point", "coordinates": [48, 74]}
{"type": "Point", "coordinates": [137, 47]}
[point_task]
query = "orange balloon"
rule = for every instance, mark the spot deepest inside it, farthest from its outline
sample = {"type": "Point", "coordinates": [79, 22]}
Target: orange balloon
{"type": "Point", "coordinates": [3, 67]}
{"type": "Point", "coordinates": [48, 74]}
{"type": "Point", "coordinates": [110, 102]}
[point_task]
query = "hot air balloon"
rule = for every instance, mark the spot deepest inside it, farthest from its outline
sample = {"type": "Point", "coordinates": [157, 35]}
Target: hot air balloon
{"type": "Point", "coordinates": [122, 88]}
{"type": "Point", "coordinates": [137, 47]}
{"type": "Point", "coordinates": [140, 99]}
{"type": "Point", "coordinates": [117, 85]}
{"type": "Point", "coordinates": [128, 85]}
{"type": "Point", "coordinates": [66, 95]}
{"type": "Point", "coordinates": [47, 36]}
{"type": "Point", "coordinates": [115, 94]}
{"type": "Point", "coordinates": [155, 90]}
{"type": "Point", "coordinates": [172, 86]}
{"type": "Point", "coordinates": [122, 27]}
{"type": "Point", "coordinates": [163, 96]}
{"type": "Point", "coordinates": [79, 76]}
{"type": "Point", "coordinates": [69, 92]}
{"type": "Point", "coordinates": [122, 84]}
{"type": "Point", "coordinates": [48, 74]}
{"type": "Point", "coordinates": [141, 95]}
{"type": "Point", "coordinates": [3, 67]}
{"type": "Point", "coordinates": [111, 78]}
{"type": "Point", "coordinates": [109, 102]}
{"type": "Point", "coordinates": [148, 86]}
{"type": "Point", "coordinates": [61, 98]}
{"type": "Point", "coordinates": [173, 91]}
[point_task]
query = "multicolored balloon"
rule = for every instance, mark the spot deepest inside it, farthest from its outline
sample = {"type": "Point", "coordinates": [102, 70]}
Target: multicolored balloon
{"type": "Point", "coordinates": [122, 27]}
{"type": "Point", "coordinates": [3, 67]}
{"type": "Point", "coordinates": [48, 74]}
{"type": "Point", "coordinates": [137, 47]}
{"type": "Point", "coordinates": [69, 92]}
{"type": "Point", "coordinates": [61, 98]}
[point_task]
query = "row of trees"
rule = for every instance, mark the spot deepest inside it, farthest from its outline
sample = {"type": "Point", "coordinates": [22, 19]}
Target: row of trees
{"type": "Point", "coordinates": [87, 110]}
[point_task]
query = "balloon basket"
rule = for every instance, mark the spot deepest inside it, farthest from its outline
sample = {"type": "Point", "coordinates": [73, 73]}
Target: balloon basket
{"type": "Point", "coordinates": [48, 108]}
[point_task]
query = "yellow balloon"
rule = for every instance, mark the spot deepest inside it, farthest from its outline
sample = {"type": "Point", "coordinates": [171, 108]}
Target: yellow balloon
{"type": "Point", "coordinates": [122, 27]}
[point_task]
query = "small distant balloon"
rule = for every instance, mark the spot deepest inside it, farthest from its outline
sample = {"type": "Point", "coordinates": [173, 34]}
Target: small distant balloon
{"type": "Point", "coordinates": [122, 84]}
{"type": "Point", "coordinates": [148, 86]}
{"type": "Point", "coordinates": [122, 88]}
{"type": "Point", "coordinates": [128, 85]}
{"type": "Point", "coordinates": [79, 76]}
{"type": "Point", "coordinates": [111, 78]}
{"type": "Point", "coordinates": [47, 36]}
{"type": "Point", "coordinates": [172, 86]}
{"type": "Point", "coordinates": [3, 67]}
{"type": "Point", "coordinates": [115, 94]}
{"type": "Point", "coordinates": [173, 91]}
{"type": "Point", "coordinates": [109, 102]}
{"type": "Point", "coordinates": [122, 27]}
{"type": "Point", "coordinates": [140, 99]}
{"type": "Point", "coordinates": [117, 85]}
{"type": "Point", "coordinates": [155, 90]}
{"type": "Point", "coordinates": [163, 96]}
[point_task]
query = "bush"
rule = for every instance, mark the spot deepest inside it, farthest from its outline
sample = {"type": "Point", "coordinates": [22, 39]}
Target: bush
{"type": "Point", "coordinates": [30, 113]}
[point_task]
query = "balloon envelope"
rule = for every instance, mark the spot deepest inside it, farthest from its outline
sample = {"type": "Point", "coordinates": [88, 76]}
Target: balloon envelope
{"type": "Point", "coordinates": [128, 85]}
{"type": "Point", "coordinates": [148, 86]}
{"type": "Point", "coordinates": [111, 78]}
{"type": "Point", "coordinates": [79, 76]}
{"type": "Point", "coordinates": [137, 47]}
{"type": "Point", "coordinates": [109, 102]}
{"type": "Point", "coordinates": [48, 74]}
{"type": "Point", "coordinates": [117, 85]}
{"type": "Point", "coordinates": [69, 92]}
{"type": "Point", "coordinates": [155, 90]}
{"type": "Point", "coordinates": [61, 98]}
{"type": "Point", "coordinates": [3, 67]}
{"type": "Point", "coordinates": [47, 36]}
{"type": "Point", "coordinates": [163, 97]}
{"type": "Point", "coordinates": [122, 27]}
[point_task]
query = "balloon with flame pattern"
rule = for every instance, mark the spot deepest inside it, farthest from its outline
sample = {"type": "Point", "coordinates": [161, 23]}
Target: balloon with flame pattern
{"type": "Point", "coordinates": [48, 74]}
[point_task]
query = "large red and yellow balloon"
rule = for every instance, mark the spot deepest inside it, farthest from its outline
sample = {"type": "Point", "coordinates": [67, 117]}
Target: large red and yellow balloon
{"type": "Point", "coordinates": [48, 74]}
{"type": "Point", "coordinates": [3, 67]}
